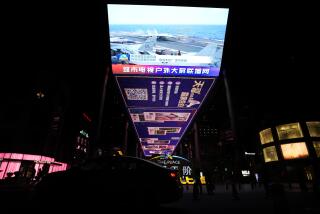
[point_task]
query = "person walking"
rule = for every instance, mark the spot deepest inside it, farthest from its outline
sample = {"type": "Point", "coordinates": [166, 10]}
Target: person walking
{"type": "Point", "coordinates": [209, 184]}
{"type": "Point", "coordinates": [196, 185]}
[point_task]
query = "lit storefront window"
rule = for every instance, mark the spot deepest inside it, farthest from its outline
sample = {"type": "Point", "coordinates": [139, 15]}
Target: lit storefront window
{"type": "Point", "coordinates": [316, 145]}
{"type": "Point", "coordinates": [314, 129]}
{"type": "Point", "coordinates": [289, 131]}
{"type": "Point", "coordinates": [13, 162]}
{"type": "Point", "coordinates": [266, 136]}
{"type": "Point", "coordinates": [270, 154]}
{"type": "Point", "coordinates": [294, 150]}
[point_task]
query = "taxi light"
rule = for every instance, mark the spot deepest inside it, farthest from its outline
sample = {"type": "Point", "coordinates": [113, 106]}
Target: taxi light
{"type": "Point", "coordinates": [173, 175]}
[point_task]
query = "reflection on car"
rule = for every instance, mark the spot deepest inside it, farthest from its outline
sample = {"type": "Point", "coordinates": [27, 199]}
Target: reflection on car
{"type": "Point", "coordinates": [111, 181]}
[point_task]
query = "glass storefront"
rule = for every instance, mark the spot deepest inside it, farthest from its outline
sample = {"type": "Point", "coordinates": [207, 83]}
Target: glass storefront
{"type": "Point", "coordinates": [314, 129]}
{"type": "Point", "coordinates": [266, 136]}
{"type": "Point", "coordinates": [316, 146]}
{"type": "Point", "coordinates": [270, 154]}
{"type": "Point", "coordinates": [294, 150]}
{"type": "Point", "coordinates": [289, 131]}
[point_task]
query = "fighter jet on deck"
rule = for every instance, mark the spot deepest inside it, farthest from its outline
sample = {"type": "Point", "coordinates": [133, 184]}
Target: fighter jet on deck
{"type": "Point", "coordinates": [166, 52]}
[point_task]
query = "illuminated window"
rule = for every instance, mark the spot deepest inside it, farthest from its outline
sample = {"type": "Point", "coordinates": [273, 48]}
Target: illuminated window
{"type": "Point", "coordinates": [289, 131]}
{"type": "Point", "coordinates": [314, 129]}
{"type": "Point", "coordinates": [266, 136]}
{"type": "Point", "coordinates": [316, 145]}
{"type": "Point", "coordinates": [270, 154]}
{"type": "Point", "coordinates": [294, 150]}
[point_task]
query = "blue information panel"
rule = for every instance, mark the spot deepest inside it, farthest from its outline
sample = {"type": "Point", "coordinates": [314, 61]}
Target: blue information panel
{"type": "Point", "coordinates": [165, 65]}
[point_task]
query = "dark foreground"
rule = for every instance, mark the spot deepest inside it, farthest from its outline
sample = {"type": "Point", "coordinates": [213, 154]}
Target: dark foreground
{"type": "Point", "coordinates": [293, 201]}
{"type": "Point", "coordinates": [250, 201]}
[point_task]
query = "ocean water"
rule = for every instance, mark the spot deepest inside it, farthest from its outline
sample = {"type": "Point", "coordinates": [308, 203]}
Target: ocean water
{"type": "Point", "coordinates": [196, 31]}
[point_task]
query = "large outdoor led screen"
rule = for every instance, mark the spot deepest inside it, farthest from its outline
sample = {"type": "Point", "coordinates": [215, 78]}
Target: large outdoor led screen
{"type": "Point", "coordinates": [165, 60]}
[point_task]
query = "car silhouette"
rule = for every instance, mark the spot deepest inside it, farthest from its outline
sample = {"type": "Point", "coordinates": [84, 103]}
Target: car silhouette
{"type": "Point", "coordinates": [121, 181]}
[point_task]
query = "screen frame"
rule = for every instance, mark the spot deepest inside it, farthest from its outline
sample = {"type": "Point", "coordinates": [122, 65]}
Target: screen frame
{"type": "Point", "coordinates": [179, 3]}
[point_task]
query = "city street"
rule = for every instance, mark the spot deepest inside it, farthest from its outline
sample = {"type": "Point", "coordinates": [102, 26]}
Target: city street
{"type": "Point", "coordinates": [249, 202]}
{"type": "Point", "coordinates": [221, 202]}
{"type": "Point", "coordinates": [109, 106]}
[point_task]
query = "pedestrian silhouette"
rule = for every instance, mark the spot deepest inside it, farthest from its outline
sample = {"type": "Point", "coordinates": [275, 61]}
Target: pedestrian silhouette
{"type": "Point", "coordinates": [302, 181]}
{"type": "Point", "coordinates": [9, 175]}
{"type": "Point", "coordinates": [209, 184]}
{"type": "Point", "coordinates": [235, 194]}
{"type": "Point", "coordinates": [280, 203]}
{"type": "Point", "coordinates": [265, 181]}
{"type": "Point", "coordinates": [253, 182]}
{"type": "Point", "coordinates": [195, 191]}
{"type": "Point", "coordinates": [197, 185]}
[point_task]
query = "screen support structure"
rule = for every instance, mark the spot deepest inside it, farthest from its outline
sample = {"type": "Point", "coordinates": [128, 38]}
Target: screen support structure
{"type": "Point", "coordinates": [236, 155]}
{"type": "Point", "coordinates": [96, 150]}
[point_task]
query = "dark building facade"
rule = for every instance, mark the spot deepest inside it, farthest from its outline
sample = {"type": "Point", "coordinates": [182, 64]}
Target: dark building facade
{"type": "Point", "coordinates": [34, 126]}
{"type": "Point", "coordinates": [291, 151]}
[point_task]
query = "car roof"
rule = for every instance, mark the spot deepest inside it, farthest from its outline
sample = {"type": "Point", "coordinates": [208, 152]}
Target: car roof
{"type": "Point", "coordinates": [106, 159]}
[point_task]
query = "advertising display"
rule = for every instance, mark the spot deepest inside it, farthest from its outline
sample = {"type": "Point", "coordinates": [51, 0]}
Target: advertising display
{"type": "Point", "coordinates": [270, 154]}
{"type": "Point", "coordinates": [294, 150]}
{"type": "Point", "coordinates": [181, 164]}
{"type": "Point", "coordinates": [266, 136]}
{"type": "Point", "coordinates": [165, 60]}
